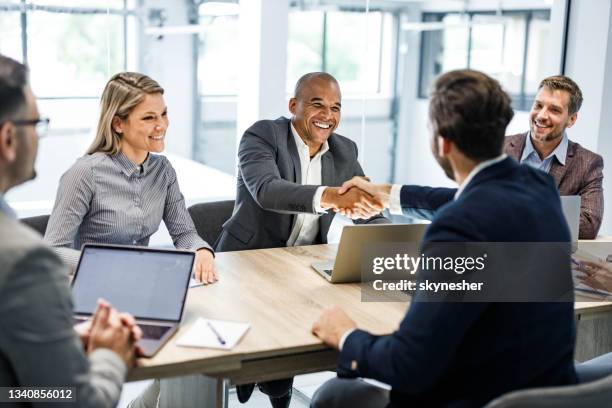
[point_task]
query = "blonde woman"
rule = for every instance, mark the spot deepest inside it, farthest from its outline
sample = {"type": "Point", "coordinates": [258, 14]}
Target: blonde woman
{"type": "Point", "coordinates": [119, 192]}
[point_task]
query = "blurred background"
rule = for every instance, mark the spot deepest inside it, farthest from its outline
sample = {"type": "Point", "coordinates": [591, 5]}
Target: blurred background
{"type": "Point", "coordinates": [226, 64]}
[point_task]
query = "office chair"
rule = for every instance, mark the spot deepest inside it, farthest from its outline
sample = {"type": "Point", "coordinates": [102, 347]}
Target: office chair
{"type": "Point", "coordinates": [209, 218]}
{"type": "Point", "coordinates": [37, 223]}
{"type": "Point", "coordinates": [595, 394]}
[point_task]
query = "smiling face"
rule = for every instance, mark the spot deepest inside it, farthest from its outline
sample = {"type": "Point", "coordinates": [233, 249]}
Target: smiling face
{"type": "Point", "coordinates": [316, 111]}
{"type": "Point", "coordinates": [144, 130]}
{"type": "Point", "coordinates": [549, 116]}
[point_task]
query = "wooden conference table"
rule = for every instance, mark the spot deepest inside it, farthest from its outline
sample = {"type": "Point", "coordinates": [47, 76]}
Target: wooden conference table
{"type": "Point", "coordinates": [280, 295]}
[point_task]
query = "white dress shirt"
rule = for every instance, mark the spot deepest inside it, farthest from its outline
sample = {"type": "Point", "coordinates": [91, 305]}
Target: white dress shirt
{"type": "Point", "coordinates": [306, 226]}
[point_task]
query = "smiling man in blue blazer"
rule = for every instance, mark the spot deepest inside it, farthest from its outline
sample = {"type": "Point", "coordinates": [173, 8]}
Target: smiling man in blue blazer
{"type": "Point", "coordinates": [462, 354]}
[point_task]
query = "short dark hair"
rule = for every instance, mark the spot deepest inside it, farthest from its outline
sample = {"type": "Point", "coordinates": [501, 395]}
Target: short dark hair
{"type": "Point", "coordinates": [472, 110]}
{"type": "Point", "coordinates": [304, 79]}
{"type": "Point", "coordinates": [563, 83]}
{"type": "Point", "coordinates": [13, 80]}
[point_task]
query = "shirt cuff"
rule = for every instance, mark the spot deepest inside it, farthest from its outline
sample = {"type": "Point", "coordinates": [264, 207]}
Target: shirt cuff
{"type": "Point", "coordinates": [316, 200]}
{"type": "Point", "coordinates": [395, 205]}
{"type": "Point", "coordinates": [343, 338]}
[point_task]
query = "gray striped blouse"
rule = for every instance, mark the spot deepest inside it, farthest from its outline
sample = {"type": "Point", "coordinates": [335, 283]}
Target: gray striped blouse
{"type": "Point", "coordinates": [108, 199]}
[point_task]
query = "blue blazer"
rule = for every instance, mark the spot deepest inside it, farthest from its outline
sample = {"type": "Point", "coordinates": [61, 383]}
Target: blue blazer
{"type": "Point", "coordinates": [466, 354]}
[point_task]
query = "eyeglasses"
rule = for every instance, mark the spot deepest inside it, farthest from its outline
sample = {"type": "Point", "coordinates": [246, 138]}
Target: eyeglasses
{"type": "Point", "coordinates": [41, 125]}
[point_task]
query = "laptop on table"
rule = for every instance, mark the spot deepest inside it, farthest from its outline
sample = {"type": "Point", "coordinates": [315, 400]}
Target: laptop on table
{"type": "Point", "coordinates": [570, 205]}
{"type": "Point", "coordinates": [346, 267]}
{"type": "Point", "coordinates": [150, 284]}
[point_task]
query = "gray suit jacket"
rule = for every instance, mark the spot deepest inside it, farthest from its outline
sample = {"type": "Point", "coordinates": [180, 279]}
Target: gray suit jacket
{"type": "Point", "coordinates": [269, 190]}
{"type": "Point", "coordinates": [38, 344]}
{"type": "Point", "coordinates": [582, 175]}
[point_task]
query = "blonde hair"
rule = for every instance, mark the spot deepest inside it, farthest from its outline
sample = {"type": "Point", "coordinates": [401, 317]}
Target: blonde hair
{"type": "Point", "coordinates": [122, 93]}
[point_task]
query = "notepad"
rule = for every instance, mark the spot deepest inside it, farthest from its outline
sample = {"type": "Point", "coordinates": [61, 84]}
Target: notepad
{"type": "Point", "coordinates": [201, 335]}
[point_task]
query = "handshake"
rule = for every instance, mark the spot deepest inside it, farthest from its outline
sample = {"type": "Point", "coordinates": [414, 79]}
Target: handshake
{"type": "Point", "coordinates": [358, 198]}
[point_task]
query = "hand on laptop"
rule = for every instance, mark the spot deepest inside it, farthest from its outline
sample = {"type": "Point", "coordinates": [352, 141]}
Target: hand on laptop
{"type": "Point", "coordinates": [204, 268]}
{"type": "Point", "coordinates": [115, 331]}
{"type": "Point", "coordinates": [380, 192]}
{"type": "Point", "coordinates": [354, 201]}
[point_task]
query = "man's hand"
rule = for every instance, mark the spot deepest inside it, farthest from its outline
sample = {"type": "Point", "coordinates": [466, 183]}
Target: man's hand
{"type": "Point", "coordinates": [115, 331]}
{"type": "Point", "coordinates": [83, 330]}
{"type": "Point", "coordinates": [331, 325]}
{"type": "Point", "coordinates": [354, 201]}
{"type": "Point", "coordinates": [380, 192]}
{"type": "Point", "coordinates": [204, 268]}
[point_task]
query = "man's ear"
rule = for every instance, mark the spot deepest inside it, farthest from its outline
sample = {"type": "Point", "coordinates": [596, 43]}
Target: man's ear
{"type": "Point", "coordinates": [572, 120]}
{"type": "Point", "coordinates": [8, 142]}
{"type": "Point", "coordinates": [444, 145]}
{"type": "Point", "coordinates": [292, 105]}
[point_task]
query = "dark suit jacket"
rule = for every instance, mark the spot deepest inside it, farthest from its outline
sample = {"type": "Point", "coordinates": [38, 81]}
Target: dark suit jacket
{"type": "Point", "coordinates": [269, 190]}
{"type": "Point", "coordinates": [465, 354]}
{"type": "Point", "coordinates": [582, 175]}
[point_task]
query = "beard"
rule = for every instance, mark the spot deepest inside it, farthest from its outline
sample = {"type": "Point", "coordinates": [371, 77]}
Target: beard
{"type": "Point", "coordinates": [444, 163]}
{"type": "Point", "coordinates": [549, 137]}
{"type": "Point", "coordinates": [22, 169]}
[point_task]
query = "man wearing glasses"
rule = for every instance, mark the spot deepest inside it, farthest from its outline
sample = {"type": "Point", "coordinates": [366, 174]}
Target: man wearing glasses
{"type": "Point", "coordinates": [38, 345]}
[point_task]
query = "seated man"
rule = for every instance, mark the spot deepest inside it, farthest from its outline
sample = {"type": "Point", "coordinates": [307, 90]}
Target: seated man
{"type": "Point", "coordinates": [576, 170]}
{"type": "Point", "coordinates": [38, 344]}
{"type": "Point", "coordinates": [462, 354]}
{"type": "Point", "coordinates": [289, 173]}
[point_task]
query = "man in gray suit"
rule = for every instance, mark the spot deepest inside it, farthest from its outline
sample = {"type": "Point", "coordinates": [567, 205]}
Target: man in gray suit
{"type": "Point", "coordinates": [289, 173]}
{"type": "Point", "coordinates": [576, 170]}
{"type": "Point", "coordinates": [38, 345]}
{"type": "Point", "coordinates": [288, 178]}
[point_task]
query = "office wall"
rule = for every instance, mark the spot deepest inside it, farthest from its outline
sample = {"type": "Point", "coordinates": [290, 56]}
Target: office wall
{"type": "Point", "coordinates": [589, 63]}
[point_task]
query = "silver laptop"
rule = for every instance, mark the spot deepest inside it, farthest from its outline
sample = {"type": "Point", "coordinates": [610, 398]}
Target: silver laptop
{"type": "Point", "coordinates": [346, 267]}
{"type": "Point", "coordinates": [570, 205]}
{"type": "Point", "coordinates": [150, 284]}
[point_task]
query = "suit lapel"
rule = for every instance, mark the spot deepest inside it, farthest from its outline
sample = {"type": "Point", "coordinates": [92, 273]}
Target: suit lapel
{"type": "Point", "coordinates": [327, 170]}
{"type": "Point", "coordinates": [557, 170]}
{"type": "Point", "coordinates": [295, 157]}
{"type": "Point", "coordinates": [516, 146]}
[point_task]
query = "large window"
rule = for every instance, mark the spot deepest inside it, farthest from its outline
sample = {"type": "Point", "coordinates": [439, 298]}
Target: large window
{"type": "Point", "coordinates": [71, 52]}
{"type": "Point", "coordinates": [218, 60]}
{"type": "Point", "coordinates": [510, 46]}
{"type": "Point", "coordinates": [336, 42]}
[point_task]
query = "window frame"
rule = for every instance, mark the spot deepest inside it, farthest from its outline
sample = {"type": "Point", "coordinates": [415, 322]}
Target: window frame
{"type": "Point", "coordinates": [521, 101]}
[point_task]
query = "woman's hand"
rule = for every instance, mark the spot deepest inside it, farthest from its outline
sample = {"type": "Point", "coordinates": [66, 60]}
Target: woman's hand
{"type": "Point", "coordinates": [204, 268]}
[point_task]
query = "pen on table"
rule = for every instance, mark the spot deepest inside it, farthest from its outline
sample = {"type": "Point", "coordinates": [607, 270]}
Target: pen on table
{"type": "Point", "coordinates": [212, 328]}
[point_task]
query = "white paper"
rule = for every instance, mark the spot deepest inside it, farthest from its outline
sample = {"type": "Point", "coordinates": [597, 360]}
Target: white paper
{"type": "Point", "coordinates": [195, 283]}
{"type": "Point", "coordinates": [201, 335]}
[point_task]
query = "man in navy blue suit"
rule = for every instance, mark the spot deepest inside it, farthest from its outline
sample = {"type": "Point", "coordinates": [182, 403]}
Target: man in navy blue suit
{"type": "Point", "coordinates": [462, 354]}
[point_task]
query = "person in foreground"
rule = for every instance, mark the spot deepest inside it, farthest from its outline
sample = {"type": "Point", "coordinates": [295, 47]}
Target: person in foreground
{"type": "Point", "coordinates": [576, 170]}
{"type": "Point", "coordinates": [290, 172]}
{"type": "Point", "coordinates": [39, 347]}
{"type": "Point", "coordinates": [462, 354]}
{"type": "Point", "coordinates": [119, 192]}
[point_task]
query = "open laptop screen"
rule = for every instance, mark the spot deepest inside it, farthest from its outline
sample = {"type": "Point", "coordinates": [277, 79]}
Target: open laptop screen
{"type": "Point", "coordinates": [147, 283]}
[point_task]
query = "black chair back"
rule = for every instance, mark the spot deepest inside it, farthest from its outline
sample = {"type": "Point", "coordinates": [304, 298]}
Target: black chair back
{"type": "Point", "coordinates": [209, 218]}
{"type": "Point", "coordinates": [38, 223]}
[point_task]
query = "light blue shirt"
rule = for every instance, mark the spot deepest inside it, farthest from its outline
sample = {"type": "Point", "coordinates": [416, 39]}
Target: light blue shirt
{"type": "Point", "coordinates": [5, 208]}
{"type": "Point", "coordinates": [531, 158]}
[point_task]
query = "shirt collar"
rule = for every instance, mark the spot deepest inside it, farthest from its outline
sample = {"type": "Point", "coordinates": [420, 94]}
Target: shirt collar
{"type": "Point", "coordinates": [301, 145]}
{"type": "Point", "coordinates": [480, 167]}
{"type": "Point", "coordinates": [560, 151]}
{"type": "Point", "coordinates": [6, 209]}
{"type": "Point", "coordinates": [128, 167]}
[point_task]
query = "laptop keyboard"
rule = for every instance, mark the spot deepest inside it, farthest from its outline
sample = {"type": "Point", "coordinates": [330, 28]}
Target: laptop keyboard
{"type": "Point", "coordinates": [328, 272]}
{"type": "Point", "coordinates": [153, 332]}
